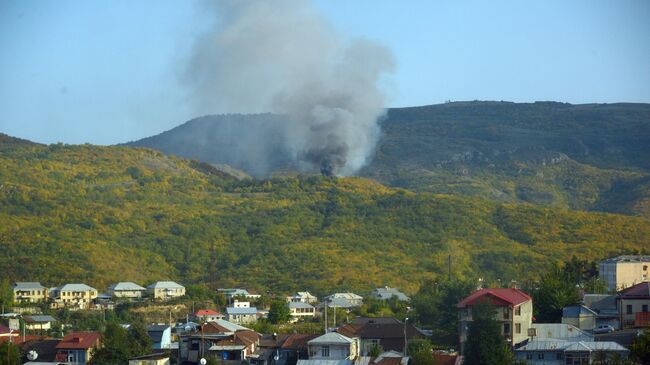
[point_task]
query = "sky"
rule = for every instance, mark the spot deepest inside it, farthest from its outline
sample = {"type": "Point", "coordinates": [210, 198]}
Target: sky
{"type": "Point", "coordinates": [106, 72]}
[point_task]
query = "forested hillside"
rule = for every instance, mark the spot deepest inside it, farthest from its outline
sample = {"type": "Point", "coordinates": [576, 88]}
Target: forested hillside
{"type": "Point", "coordinates": [584, 157]}
{"type": "Point", "coordinates": [103, 214]}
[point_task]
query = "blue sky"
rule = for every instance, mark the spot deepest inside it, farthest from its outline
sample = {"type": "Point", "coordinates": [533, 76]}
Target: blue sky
{"type": "Point", "coordinates": [108, 71]}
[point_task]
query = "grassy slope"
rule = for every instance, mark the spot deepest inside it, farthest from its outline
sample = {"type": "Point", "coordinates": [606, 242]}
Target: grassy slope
{"type": "Point", "coordinates": [102, 214]}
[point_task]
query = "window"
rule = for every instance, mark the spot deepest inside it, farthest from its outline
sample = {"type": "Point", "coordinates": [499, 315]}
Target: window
{"type": "Point", "coordinates": [540, 356]}
{"type": "Point", "coordinates": [518, 311]}
{"type": "Point", "coordinates": [529, 356]}
{"type": "Point", "coordinates": [325, 351]}
{"type": "Point", "coordinates": [506, 328]}
{"type": "Point", "coordinates": [559, 356]}
{"type": "Point", "coordinates": [644, 308]}
{"type": "Point", "coordinates": [645, 267]}
{"type": "Point", "coordinates": [517, 328]}
{"type": "Point", "coordinates": [628, 309]}
{"type": "Point", "coordinates": [506, 313]}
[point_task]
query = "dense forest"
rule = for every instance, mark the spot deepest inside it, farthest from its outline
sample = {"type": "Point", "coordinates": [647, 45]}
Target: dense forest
{"type": "Point", "coordinates": [105, 214]}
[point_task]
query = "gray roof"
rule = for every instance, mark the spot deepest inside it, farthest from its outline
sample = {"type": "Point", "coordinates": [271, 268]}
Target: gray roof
{"type": "Point", "coordinates": [233, 327]}
{"type": "Point", "coordinates": [348, 295]}
{"type": "Point", "coordinates": [156, 331]}
{"type": "Point", "coordinates": [324, 362]}
{"type": "Point", "coordinates": [41, 318]}
{"type": "Point", "coordinates": [126, 285]}
{"type": "Point", "coordinates": [341, 303]}
{"type": "Point", "coordinates": [300, 305]}
{"type": "Point", "coordinates": [165, 285]}
{"type": "Point", "coordinates": [629, 258]}
{"type": "Point", "coordinates": [28, 285]}
{"type": "Point", "coordinates": [563, 345]}
{"type": "Point", "coordinates": [333, 338]}
{"type": "Point", "coordinates": [600, 303]}
{"type": "Point", "coordinates": [560, 331]}
{"type": "Point", "coordinates": [386, 293]}
{"type": "Point", "coordinates": [75, 287]}
{"type": "Point", "coordinates": [576, 311]}
{"type": "Point", "coordinates": [233, 310]}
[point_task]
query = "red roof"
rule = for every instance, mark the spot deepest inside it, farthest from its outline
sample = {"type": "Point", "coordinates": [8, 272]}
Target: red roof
{"type": "Point", "coordinates": [443, 359]}
{"type": "Point", "coordinates": [18, 339]}
{"type": "Point", "coordinates": [638, 291]}
{"type": "Point", "coordinates": [206, 313]}
{"type": "Point", "coordinates": [496, 296]}
{"type": "Point", "coordinates": [79, 340]}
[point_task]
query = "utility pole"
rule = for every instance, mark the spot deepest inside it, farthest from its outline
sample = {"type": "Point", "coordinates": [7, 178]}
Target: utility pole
{"type": "Point", "coordinates": [325, 316]}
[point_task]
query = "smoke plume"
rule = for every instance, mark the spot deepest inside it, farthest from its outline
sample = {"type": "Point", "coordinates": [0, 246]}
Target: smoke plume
{"type": "Point", "coordinates": [281, 56]}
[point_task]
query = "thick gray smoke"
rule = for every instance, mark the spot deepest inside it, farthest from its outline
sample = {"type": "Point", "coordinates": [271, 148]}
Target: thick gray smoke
{"type": "Point", "coordinates": [281, 56]}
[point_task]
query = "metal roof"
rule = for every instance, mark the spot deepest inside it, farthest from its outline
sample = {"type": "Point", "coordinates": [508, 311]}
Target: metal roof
{"type": "Point", "coordinates": [28, 285]}
{"type": "Point", "coordinates": [233, 327]}
{"type": "Point", "coordinates": [595, 346]}
{"type": "Point", "coordinates": [560, 331]}
{"type": "Point", "coordinates": [324, 362]}
{"type": "Point", "coordinates": [75, 287]}
{"type": "Point", "coordinates": [126, 285]}
{"type": "Point", "coordinates": [628, 258]}
{"type": "Point", "coordinates": [226, 347]}
{"type": "Point", "coordinates": [233, 310]}
{"type": "Point", "coordinates": [570, 346]}
{"type": "Point", "coordinates": [576, 311]}
{"type": "Point", "coordinates": [165, 285]}
{"type": "Point", "coordinates": [40, 318]}
{"type": "Point", "coordinates": [300, 305]}
{"type": "Point", "coordinates": [386, 293]}
{"type": "Point", "coordinates": [331, 338]}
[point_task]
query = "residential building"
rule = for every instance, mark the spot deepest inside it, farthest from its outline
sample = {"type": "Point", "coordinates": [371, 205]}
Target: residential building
{"type": "Point", "coordinates": [73, 295]}
{"type": "Point", "coordinates": [561, 352]}
{"type": "Point", "coordinates": [633, 302]}
{"type": "Point", "coordinates": [225, 341]}
{"type": "Point", "coordinates": [559, 331]}
{"type": "Point", "coordinates": [579, 316]}
{"type": "Point", "coordinates": [151, 359]}
{"type": "Point", "coordinates": [300, 310]}
{"type": "Point", "coordinates": [77, 347]}
{"type": "Point", "coordinates": [231, 293]}
{"type": "Point", "coordinates": [387, 333]}
{"type": "Point", "coordinates": [126, 289]}
{"type": "Point", "coordinates": [161, 336]}
{"type": "Point", "coordinates": [624, 271]}
{"type": "Point", "coordinates": [332, 346]}
{"type": "Point", "coordinates": [514, 311]}
{"type": "Point", "coordinates": [343, 300]}
{"type": "Point", "coordinates": [606, 308]}
{"type": "Point", "coordinates": [165, 290]}
{"type": "Point", "coordinates": [40, 323]}
{"type": "Point", "coordinates": [386, 358]}
{"type": "Point", "coordinates": [386, 293]}
{"type": "Point", "coordinates": [207, 315]}
{"type": "Point", "coordinates": [45, 348]}
{"type": "Point", "coordinates": [241, 315]}
{"type": "Point", "coordinates": [303, 296]}
{"type": "Point", "coordinates": [29, 291]}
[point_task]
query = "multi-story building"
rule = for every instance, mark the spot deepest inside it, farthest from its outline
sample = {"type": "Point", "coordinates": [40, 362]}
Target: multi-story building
{"type": "Point", "coordinates": [332, 346]}
{"type": "Point", "coordinates": [300, 310]}
{"type": "Point", "coordinates": [127, 290]}
{"type": "Point", "coordinates": [73, 295]}
{"type": "Point", "coordinates": [303, 296]}
{"type": "Point", "coordinates": [78, 347]}
{"type": "Point", "coordinates": [624, 271]}
{"type": "Point", "coordinates": [633, 305]}
{"type": "Point", "coordinates": [32, 292]}
{"type": "Point", "coordinates": [241, 312]}
{"type": "Point", "coordinates": [514, 310]}
{"type": "Point", "coordinates": [343, 300]}
{"type": "Point", "coordinates": [165, 290]}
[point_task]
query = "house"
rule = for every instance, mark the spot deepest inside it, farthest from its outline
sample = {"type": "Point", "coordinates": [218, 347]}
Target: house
{"type": "Point", "coordinates": [624, 271]}
{"type": "Point", "coordinates": [561, 352]}
{"type": "Point", "coordinates": [165, 290]}
{"type": "Point", "coordinates": [41, 323]}
{"type": "Point", "coordinates": [303, 296]}
{"type": "Point", "coordinates": [161, 336]}
{"type": "Point", "coordinates": [633, 302]}
{"type": "Point", "coordinates": [45, 348]}
{"type": "Point", "coordinates": [77, 347]}
{"type": "Point", "coordinates": [126, 289]}
{"type": "Point", "coordinates": [207, 315]}
{"type": "Point", "coordinates": [387, 333]}
{"type": "Point", "coordinates": [300, 310]}
{"type": "Point", "coordinates": [241, 314]}
{"type": "Point", "coordinates": [29, 291]}
{"type": "Point", "coordinates": [386, 293]}
{"type": "Point", "coordinates": [151, 359]}
{"type": "Point", "coordinates": [558, 331]}
{"type": "Point", "coordinates": [231, 293]}
{"type": "Point", "coordinates": [220, 339]}
{"type": "Point", "coordinates": [514, 312]}
{"type": "Point", "coordinates": [294, 347]}
{"type": "Point", "coordinates": [606, 308]}
{"type": "Point", "coordinates": [343, 300]}
{"type": "Point", "coordinates": [73, 295]}
{"type": "Point", "coordinates": [579, 316]}
{"type": "Point", "coordinates": [385, 358]}
{"type": "Point", "coordinates": [332, 346]}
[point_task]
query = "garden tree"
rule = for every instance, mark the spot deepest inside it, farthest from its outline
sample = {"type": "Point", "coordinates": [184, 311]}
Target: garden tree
{"type": "Point", "coordinates": [9, 354]}
{"type": "Point", "coordinates": [595, 285]}
{"type": "Point", "coordinates": [6, 294]}
{"type": "Point", "coordinates": [485, 343]}
{"type": "Point", "coordinates": [640, 349]}
{"type": "Point", "coordinates": [120, 344]}
{"type": "Point", "coordinates": [421, 352]}
{"type": "Point", "coordinates": [554, 292]}
{"type": "Point", "coordinates": [435, 307]}
{"type": "Point", "coordinates": [375, 350]}
{"type": "Point", "coordinates": [279, 312]}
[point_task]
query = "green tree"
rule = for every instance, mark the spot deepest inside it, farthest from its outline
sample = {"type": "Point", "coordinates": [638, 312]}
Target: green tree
{"type": "Point", "coordinates": [279, 312]}
{"type": "Point", "coordinates": [554, 292]}
{"type": "Point", "coordinates": [6, 294]}
{"type": "Point", "coordinates": [485, 343]}
{"type": "Point", "coordinates": [9, 354]}
{"type": "Point", "coordinates": [640, 349]}
{"type": "Point", "coordinates": [120, 344]}
{"type": "Point", "coordinates": [421, 352]}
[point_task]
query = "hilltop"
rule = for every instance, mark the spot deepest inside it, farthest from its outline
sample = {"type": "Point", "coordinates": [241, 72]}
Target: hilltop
{"type": "Point", "coordinates": [593, 157]}
{"type": "Point", "coordinates": [105, 214]}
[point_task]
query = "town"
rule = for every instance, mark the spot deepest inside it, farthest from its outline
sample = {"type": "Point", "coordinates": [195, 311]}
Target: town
{"type": "Point", "coordinates": [77, 324]}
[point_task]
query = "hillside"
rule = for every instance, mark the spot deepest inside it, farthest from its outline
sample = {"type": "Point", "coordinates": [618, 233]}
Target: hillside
{"type": "Point", "coordinates": [103, 214]}
{"type": "Point", "coordinates": [585, 157]}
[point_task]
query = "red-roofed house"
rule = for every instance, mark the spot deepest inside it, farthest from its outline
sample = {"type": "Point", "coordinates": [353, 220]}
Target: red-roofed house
{"type": "Point", "coordinates": [207, 315]}
{"type": "Point", "coordinates": [633, 300]}
{"type": "Point", "coordinates": [76, 347]}
{"type": "Point", "coordinates": [514, 311]}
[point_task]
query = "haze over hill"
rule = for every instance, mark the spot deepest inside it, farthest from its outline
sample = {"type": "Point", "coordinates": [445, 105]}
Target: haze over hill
{"type": "Point", "coordinates": [588, 157]}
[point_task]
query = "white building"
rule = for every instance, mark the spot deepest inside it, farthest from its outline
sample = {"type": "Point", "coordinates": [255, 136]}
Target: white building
{"type": "Point", "coordinates": [624, 271]}
{"type": "Point", "coordinates": [386, 293]}
{"type": "Point", "coordinates": [332, 346]}
{"type": "Point", "coordinates": [165, 290]}
{"type": "Point", "coordinates": [126, 289]}
{"type": "Point", "coordinates": [303, 296]}
{"type": "Point", "coordinates": [343, 300]}
{"type": "Point", "coordinates": [73, 295]}
{"type": "Point", "coordinates": [300, 310]}
{"type": "Point", "coordinates": [561, 352]}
